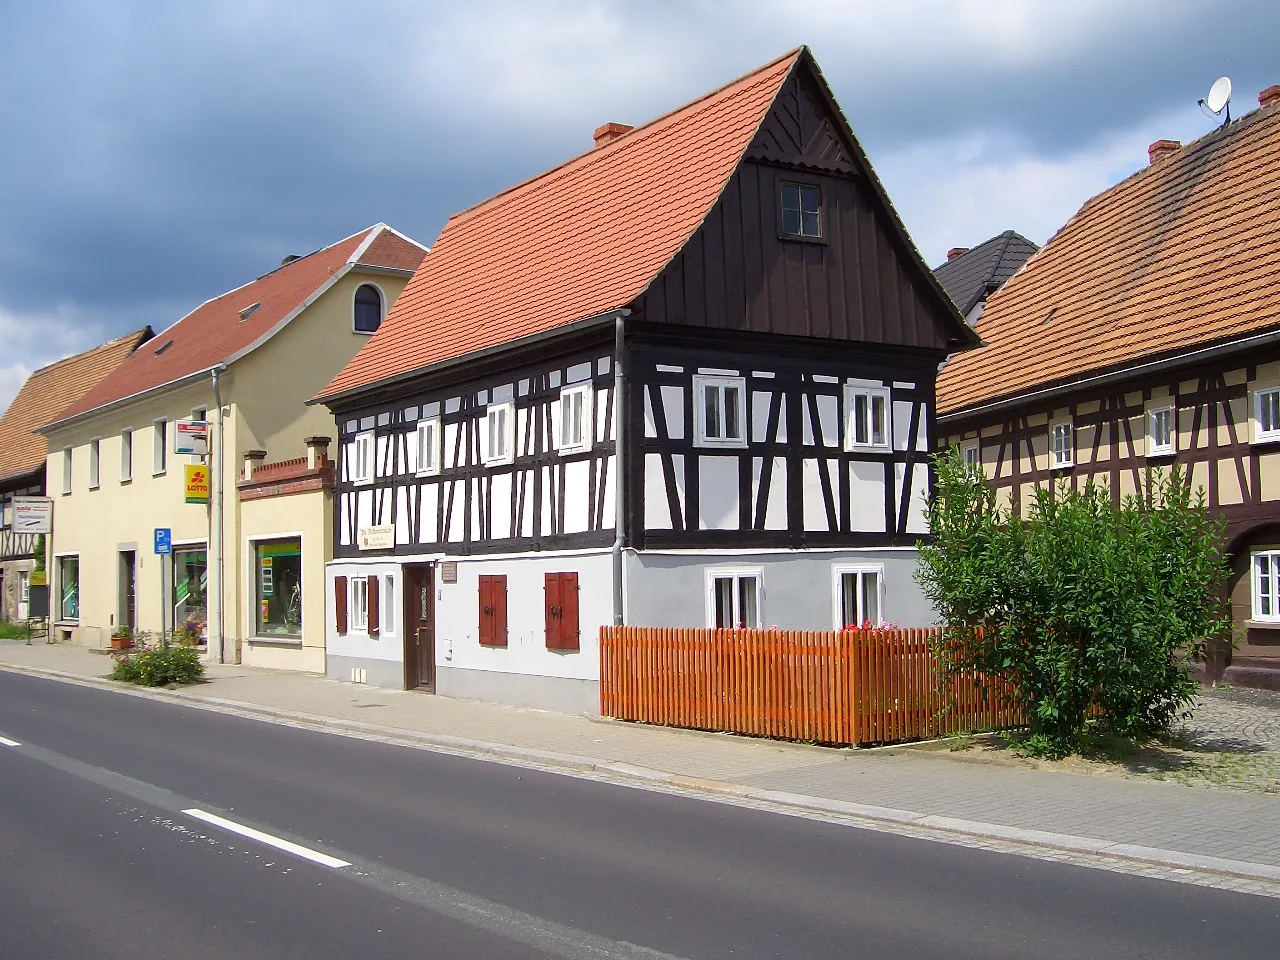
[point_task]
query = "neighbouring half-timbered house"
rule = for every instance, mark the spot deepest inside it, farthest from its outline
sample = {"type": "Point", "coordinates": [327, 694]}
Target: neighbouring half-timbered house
{"type": "Point", "coordinates": [1147, 333]}
{"type": "Point", "coordinates": [684, 379]}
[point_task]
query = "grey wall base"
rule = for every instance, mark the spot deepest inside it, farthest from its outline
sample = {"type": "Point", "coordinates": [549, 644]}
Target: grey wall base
{"type": "Point", "coordinates": [520, 690]}
{"type": "Point", "coordinates": [378, 673]}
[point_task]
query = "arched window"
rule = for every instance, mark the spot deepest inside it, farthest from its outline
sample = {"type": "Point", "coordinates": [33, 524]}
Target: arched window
{"type": "Point", "coordinates": [368, 308]}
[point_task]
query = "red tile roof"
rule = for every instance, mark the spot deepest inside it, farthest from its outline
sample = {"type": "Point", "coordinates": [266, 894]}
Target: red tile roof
{"type": "Point", "coordinates": [215, 332]}
{"type": "Point", "coordinates": [1183, 253]}
{"type": "Point", "coordinates": [580, 240]}
{"type": "Point", "coordinates": [49, 390]}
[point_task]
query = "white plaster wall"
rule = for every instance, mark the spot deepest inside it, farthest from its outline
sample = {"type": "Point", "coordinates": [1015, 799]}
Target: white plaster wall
{"type": "Point", "coordinates": [388, 644]}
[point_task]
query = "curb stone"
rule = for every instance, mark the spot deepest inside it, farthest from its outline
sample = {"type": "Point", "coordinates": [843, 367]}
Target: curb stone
{"type": "Point", "coordinates": [928, 826]}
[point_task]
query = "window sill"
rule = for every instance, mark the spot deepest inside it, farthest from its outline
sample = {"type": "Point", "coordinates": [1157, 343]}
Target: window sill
{"type": "Point", "coordinates": [1265, 438]}
{"type": "Point", "coordinates": [721, 444]}
{"type": "Point", "coordinates": [799, 238]}
{"type": "Point", "coordinates": [1162, 454]}
{"type": "Point", "coordinates": [1262, 624]}
{"type": "Point", "coordinates": [572, 451]}
{"type": "Point", "coordinates": [1062, 466]}
{"type": "Point", "coordinates": [427, 473]}
{"type": "Point", "coordinates": [277, 641]}
{"type": "Point", "coordinates": [67, 623]}
{"type": "Point", "coordinates": [868, 448]}
{"type": "Point", "coordinates": [364, 333]}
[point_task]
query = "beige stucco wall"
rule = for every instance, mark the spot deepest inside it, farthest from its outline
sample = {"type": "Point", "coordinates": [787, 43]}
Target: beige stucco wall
{"type": "Point", "coordinates": [265, 396]}
{"type": "Point", "coordinates": [307, 516]}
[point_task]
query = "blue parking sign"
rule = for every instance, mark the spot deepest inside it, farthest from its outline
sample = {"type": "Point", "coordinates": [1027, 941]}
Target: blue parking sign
{"type": "Point", "coordinates": [164, 540]}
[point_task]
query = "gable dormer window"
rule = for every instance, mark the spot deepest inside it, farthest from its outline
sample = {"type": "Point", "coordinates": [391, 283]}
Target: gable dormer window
{"type": "Point", "coordinates": [368, 308]}
{"type": "Point", "coordinates": [802, 211]}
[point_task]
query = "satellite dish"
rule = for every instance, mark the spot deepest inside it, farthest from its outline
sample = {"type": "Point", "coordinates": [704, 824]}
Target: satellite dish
{"type": "Point", "coordinates": [1219, 94]}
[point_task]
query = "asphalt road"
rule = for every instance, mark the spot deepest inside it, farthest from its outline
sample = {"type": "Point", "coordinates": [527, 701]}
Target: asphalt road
{"type": "Point", "coordinates": [455, 858]}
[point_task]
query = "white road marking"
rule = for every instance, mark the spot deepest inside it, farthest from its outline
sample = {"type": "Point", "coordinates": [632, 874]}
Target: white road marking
{"type": "Point", "coordinates": [315, 856]}
{"type": "Point", "coordinates": [9, 743]}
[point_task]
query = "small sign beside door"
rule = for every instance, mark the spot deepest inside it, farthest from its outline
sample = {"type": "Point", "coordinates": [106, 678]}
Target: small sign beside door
{"type": "Point", "coordinates": [449, 571]}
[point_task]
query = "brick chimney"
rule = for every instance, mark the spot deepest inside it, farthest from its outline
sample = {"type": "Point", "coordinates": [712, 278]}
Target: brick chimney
{"type": "Point", "coordinates": [1161, 149]}
{"type": "Point", "coordinates": [317, 451]}
{"type": "Point", "coordinates": [610, 132]}
{"type": "Point", "coordinates": [1269, 96]}
{"type": "Point", "coordinates": [956, 252]}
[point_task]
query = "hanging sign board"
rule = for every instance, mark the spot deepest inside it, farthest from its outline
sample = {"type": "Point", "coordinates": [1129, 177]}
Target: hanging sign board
{"type": "Point", "coordinates": [197, 483]}
{"type": "Point", "coordinates": [191, 437]}
{"type": "Point", "coordinates": [39, 578]}
{"type": "Point", "coordinates": [32, 515]}
{"type": "Point", "coordinates": [377, 538]}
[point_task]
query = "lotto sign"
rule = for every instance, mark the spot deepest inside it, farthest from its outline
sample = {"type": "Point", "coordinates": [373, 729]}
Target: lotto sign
{"type": "Point", "coordinates": [197, 483]}
{"type": "Point", "coordinates": [191, 437]}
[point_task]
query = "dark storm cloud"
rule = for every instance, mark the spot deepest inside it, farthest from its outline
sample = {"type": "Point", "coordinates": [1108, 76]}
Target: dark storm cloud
{"type": "Point", "coordinates": [157, 154]}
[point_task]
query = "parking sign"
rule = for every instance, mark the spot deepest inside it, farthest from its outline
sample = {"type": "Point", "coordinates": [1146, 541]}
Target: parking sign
{"type": "Point", "coordinates": [164, 540]}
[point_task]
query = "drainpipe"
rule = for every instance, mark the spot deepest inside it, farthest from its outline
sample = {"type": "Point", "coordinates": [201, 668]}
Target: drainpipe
{"type": "Point", "coordinates": [619, 462]}
{"type": "Point", "coordinates": [216, 640]}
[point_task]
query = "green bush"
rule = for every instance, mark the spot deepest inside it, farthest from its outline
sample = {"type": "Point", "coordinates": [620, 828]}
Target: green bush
{"type": "Point", "coordinates": [158, 666]}
{"type": "Point", "coordinates": [1082, 606]}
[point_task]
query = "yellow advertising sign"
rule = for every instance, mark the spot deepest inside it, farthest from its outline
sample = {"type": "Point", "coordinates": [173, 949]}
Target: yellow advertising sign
{"type": "Point", "coordinates": [39, 578]}
{"type": "Point", "coordinates": [197, 485]}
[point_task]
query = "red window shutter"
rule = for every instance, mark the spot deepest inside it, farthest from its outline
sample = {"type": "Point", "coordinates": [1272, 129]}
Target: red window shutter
{"type": "Point", "coordinates": [373, 605]}
{"type": "Point", "coordinates": [569, 611]}
{"type": "Point", "coordinates": [500, 611]}
{"type": "Point", "coordinates": [552, 602]}
{"type": "Point", "coordinates": [340, 603]}
{"type": "Point", "coordinates": [486, 612]}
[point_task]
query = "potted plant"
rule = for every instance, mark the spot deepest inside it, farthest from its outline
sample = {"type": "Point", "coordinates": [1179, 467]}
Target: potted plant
{"type": "Point", "coordinates": [121, 638]}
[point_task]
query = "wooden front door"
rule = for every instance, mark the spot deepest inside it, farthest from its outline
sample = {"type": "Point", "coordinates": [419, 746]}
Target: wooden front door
{"type": "Point", "coordinates": [420, 628]}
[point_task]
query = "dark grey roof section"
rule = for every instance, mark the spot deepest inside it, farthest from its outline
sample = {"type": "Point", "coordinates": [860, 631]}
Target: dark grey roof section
{"type": "Point", "coordinates": [972, 276]}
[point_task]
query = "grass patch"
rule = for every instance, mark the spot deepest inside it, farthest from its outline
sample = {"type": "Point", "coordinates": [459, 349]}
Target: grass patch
{"type": "Point", "coordinates": [13, 631]}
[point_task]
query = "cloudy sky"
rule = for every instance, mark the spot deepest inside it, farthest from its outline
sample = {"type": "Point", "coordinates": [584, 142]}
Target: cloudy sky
{"type": "Point", "coordinates": [155, 154]}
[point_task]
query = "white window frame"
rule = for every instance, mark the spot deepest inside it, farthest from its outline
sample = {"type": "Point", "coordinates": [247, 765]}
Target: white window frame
{"type": "Point", "coordinates": [126, 455]}
{"type": "Point", "coordinates": [95, 462]}
{"type": "Point", "coordinates": [1155, 448]}
{"type": "Point", "coordinates": [1255, 584]}
{"type": "Point", "coordinates": [387, 606]}
{"type": "Point", "coordinates": [701, 385]}
{"type": "Point", "coordinates": [1261, 395]}
{"type": "Point", "coordinates": [736, 574]}
{"type": "Point", "coordinates": [382, 309]}
{"type": "Point", "coordinates": [358, 605]}
{"type": "Point", "coordinates": [159, 447]}
{"type": "Point", "coordinates": [1056, 462]}
{"type": "Point", "coordinates": [505, 412]}
{"type": "Point", "coordinates": [66, 470]}
{"type": "Point", "coordinates": [972, 456]}
{"type": "Point", "coordinates": [24, 586]}
{"type": "Point", "coordinates": [567, 395]}
{"type": "Point", "coordinates": [851, 394]}
{"type": "Point", "coordinates": [838, 572]}
{"type": "Point", "coordinates": [361, 469]}
{"type": "Point", "coordinates": [428, 440]}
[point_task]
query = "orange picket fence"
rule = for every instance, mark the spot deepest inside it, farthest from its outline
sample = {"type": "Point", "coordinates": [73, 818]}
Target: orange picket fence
{"type": "Point", "coordinates": [846, 687]}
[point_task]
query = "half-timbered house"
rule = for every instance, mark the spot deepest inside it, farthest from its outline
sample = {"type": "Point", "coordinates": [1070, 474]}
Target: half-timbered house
{"type": "Point", "coordinates": [1147, 333]}
{"type": "Point", "coordinates": [684, 379]}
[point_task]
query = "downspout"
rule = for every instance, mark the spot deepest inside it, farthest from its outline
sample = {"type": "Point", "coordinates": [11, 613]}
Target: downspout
{"type": "Point", "coordinates": [619, 461]}
{"type": "Point", "coordinates": [216, 651]}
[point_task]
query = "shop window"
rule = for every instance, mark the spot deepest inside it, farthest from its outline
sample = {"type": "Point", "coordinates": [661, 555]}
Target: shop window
{"type": "Point", "coordinates": [279, 569]}
{"type": "Point", "coordinates": [858, 595]}
{"type": "Point", "coordinates": [561, 601]}
{"type": "Point", "coordinates": [575, 418]}
{"type": "Point", "coordinates": [721, 412]}
{"type": "Point", "coordinates": [68, 588]}
{"type": "Point", "coordinates": [867, 416]}
{"type": "Point", "coordinates": [190, 586]}
{"type": "Point", "coordinates": [735, 599]}
{"type": "Point", "coordinates": [493, 610]}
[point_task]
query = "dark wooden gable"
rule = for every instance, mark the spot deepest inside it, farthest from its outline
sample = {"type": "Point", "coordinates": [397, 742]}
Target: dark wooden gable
{"type": "Point", "coordinates": [863, 282]}
{"type": "Point", "coordinates": [800, 130]}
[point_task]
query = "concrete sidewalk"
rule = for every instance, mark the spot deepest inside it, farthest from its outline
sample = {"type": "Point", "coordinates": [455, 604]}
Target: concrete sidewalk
{"type": "Point", "coordinates": [1178, 828]}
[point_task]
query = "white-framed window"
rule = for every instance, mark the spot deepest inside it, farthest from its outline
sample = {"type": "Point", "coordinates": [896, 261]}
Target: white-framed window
{"type": "Point", "coordinates": [1162, 435]}
{"type": "Point", "coordinates": [971, 459]}
{"type": "Point", "coordinates": [1266, 414]}
{"type": "Point", "coordinates": [858, 594]}
{"type": "Point", "coordinates": [497, 443]}
{"type": "Point", "coordinates": [95, 451]}
{"type": "Point", "coordinates": [367, 308]}
{"type": "Point", "coordinates": [866, 418]}
{"type": "Point", "coordinates": [721, 414]}
{"type": "Point", "coordinates": [362, 458]}
{"type": "Point", "coordinates": [126, 455]}
{"type": "Point", "coordinates": [1061, 445]}
{"type": "Point", "coordinates": [1265, 577]}
{"type": "Point", "coordinates": [576, 422]}
{"type": "Point", "coordinates": [735, 598]}
{"type": "Point", "coordinates": [24, 586]}
{"type": "Point", "coordinates": [159, 447]}
{"type": "Point", "coordinates": [387, 608]}
{"type": "Point", "coordinates": [66, 470]}
{"type": "Point", "coordinates": [359, 605]}
{"type": "Point", "coordinates": [429, 446]}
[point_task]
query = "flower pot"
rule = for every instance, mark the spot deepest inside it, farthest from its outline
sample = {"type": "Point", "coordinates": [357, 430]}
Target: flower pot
{"type": "Point", "coordinates": [121, 642]}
